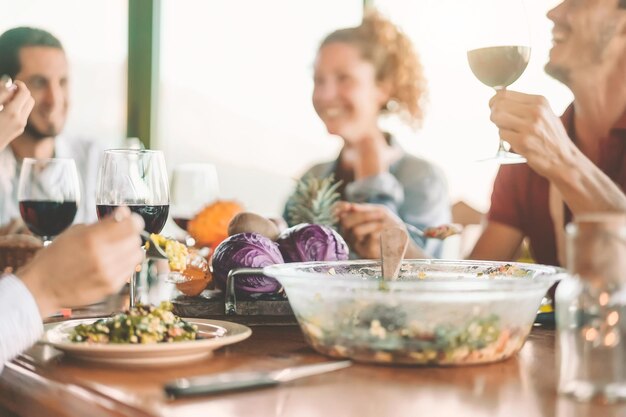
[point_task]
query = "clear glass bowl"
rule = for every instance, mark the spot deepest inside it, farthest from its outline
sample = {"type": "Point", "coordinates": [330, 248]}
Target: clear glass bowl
{"type": "Point", "coordinates": [437, 312]}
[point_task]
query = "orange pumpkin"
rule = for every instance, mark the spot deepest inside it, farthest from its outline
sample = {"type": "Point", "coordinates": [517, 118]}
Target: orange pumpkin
{"type": "Point", "coordinates": [210, 226]}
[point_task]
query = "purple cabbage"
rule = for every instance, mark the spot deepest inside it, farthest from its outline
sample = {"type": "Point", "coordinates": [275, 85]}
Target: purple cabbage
{"type": "Point", "coordinates": [312, 242]}
{"type": "Point", "coordinates": [248, 250]}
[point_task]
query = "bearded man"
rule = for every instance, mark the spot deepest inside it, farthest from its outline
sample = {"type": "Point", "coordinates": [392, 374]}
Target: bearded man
{"type": "Point", "coordinates": [38, 59]}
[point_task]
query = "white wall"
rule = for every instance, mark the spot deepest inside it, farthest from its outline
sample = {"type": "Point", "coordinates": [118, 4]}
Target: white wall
{"type": "Point", "coordinates": [236, 91]}
{"type": "Point", "coordinates": [94, 34]}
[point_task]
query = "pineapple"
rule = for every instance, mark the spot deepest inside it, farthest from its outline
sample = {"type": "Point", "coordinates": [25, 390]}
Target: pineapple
{"type": "Point", "coordinates": [313, 201]}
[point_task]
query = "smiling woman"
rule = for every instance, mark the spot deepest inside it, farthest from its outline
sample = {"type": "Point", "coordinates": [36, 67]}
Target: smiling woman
{"type": "Point", "coordinates": [362, 73]}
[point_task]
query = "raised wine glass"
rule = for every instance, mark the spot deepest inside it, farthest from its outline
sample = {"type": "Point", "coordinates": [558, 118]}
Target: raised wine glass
{"type": "Point", "coordinates": [136, 179]}
{"type": "Point", "coordinates": [194, 185]}
{"type": "Point", "coordinates": [498, 50]}
{"type": "Point", "coordinates": [48, 195]}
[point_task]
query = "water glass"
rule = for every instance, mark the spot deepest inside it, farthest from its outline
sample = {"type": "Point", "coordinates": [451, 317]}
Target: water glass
{"type": "Point", "coordinates": [591, 310]}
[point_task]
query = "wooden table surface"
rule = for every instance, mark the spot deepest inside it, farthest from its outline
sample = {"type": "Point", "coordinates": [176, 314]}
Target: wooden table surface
{"type": "Point", "coordinates": [521, 386]}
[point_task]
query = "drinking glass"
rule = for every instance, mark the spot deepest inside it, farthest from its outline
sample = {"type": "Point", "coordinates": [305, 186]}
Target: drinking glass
{"type": "Point", "coordinates": [194, 185]}
{"type": "Point", "coordinates": [591, 308]}
{"type": "Point", "coordinates": [136, 179]}
{"type": "Point", "coordinates": [498, 51]}
{"type": "Point", "coordinates": [48, 195]}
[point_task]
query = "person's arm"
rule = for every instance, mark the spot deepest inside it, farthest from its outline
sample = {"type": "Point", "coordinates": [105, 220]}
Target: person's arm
{"type": "Point", "coordinates": [17, 104]}
{"type": "Point", "coordinates": [20, 322]}
{"type": "Point", "coordinates": [420, 200]}
{"type": "Point", "coordinates": [528, 123]}
{"type": "Point", "coordinates": [498, 242]}
{"type": "Point", "coordinates": [503, 235]}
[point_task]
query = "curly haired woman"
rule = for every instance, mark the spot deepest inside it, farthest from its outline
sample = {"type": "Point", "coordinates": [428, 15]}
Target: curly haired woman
{"type": "Point", "coordinates": [362, 73]}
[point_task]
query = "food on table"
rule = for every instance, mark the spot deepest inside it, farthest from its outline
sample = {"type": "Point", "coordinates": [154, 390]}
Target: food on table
{"type": "Point", "coordinates": [247, 250]}
{"type": "Point", "coordinates": [177, 253]}
{"type": "Point", "coordinates": [442, 232]}
{"type": "Point", "coordinates": [143, 324]}
{"type": "Point", "coordinates": [380, 333]}
{"type": "Point", "coordinates": [196, 276]}
{"type": "Point", "coordinates": [505, 269]}
{"type": "Point", "coordinates": [210, 226]}
{"type": "Point", "coordinates": [314, 201]}
{"type": "Point", "coordinates": [312, 242]}
{"type": "Point", "coordinates": [247, 222]}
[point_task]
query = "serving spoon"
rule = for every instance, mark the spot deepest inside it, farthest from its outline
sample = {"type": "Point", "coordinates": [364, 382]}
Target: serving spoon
{"type": "Point", "coordinates": [154, 251]}
{"type": "Point", "coordinates": [393, 244]}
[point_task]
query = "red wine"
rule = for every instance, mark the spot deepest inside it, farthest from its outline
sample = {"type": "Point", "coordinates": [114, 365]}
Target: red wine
{"type": "Point", "coordinates": [154, 216]}
{"type": "Point", "coordinates": [48, 218]}
{"type": "Point", "coordinates": [498, 66]}
{"type": "Point", "coordinates": [181, 222]}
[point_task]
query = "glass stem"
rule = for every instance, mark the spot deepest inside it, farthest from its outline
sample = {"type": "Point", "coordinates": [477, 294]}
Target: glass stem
{"type": "Point", "coordinates": [132, 286]}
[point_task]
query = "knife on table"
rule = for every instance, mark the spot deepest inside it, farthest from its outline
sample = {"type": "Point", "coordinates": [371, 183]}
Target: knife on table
{"type": "Point", "coordinates": [235, 381]}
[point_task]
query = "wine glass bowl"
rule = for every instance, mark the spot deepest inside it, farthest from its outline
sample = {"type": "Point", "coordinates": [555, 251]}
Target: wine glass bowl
{"type": "Point", "coordinates": [498, 51]}
{"type": "Point", "coordinates": [48, 195]}
{"type": "Point", "coordinates": [194, 185]}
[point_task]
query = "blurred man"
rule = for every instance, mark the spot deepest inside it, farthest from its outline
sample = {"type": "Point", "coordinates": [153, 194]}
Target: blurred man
{"type": "Point", "coordinates": [37, 58]}
{"type": "Point", "coordinates": [576, 163]}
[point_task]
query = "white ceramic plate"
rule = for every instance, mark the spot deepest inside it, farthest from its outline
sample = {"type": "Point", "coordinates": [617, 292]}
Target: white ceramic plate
{"type": "Point", "coordinates": [215, 334]}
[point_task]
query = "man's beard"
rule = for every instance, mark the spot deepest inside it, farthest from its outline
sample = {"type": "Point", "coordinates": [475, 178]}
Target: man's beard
{"type": "Point", "coordinates": [558, 73]}
{"type": "Point", "coordinates": [37, 134]}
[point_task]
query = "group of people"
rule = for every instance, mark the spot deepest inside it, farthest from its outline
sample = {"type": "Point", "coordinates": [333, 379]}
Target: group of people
{"type": "Point", "coordinates": [576, 163]}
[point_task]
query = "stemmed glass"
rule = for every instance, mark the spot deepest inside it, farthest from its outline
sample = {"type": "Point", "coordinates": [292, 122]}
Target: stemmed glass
{"type": "Point", "coordinates": [194, 185]}
{"type": "Point", "coordinates": [48, 195]}
{"type": "Point", "coordinates": [136, 179]}
{"type": "Point", "coordinates": [498, 50]}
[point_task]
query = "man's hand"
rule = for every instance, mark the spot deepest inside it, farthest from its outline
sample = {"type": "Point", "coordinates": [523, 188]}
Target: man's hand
{"type": "Point", "coordinates": [85, 263]}
{"type": "Point", "coordinates": [532, 129]}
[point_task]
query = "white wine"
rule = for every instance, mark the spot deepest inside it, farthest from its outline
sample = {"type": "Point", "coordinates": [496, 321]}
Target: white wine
{"type": "Point", "coordinates": [498, 66]}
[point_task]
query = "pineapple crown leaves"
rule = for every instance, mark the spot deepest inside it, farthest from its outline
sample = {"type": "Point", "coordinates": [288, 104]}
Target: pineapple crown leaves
{"type": "Point", "coordinates": [314, 201]}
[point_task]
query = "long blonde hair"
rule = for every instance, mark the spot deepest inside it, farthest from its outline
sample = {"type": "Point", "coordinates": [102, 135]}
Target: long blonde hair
{"type": "Point", "coordinates": [395, 60]}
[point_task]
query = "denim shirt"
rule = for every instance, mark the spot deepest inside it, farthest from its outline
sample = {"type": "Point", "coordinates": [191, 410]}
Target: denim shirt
{"type": "Point", "coordinates": [414, 189]}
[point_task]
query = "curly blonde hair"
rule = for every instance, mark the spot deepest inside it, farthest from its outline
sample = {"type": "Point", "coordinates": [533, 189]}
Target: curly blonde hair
{"type": "Point", "coordinates": [395, 60]}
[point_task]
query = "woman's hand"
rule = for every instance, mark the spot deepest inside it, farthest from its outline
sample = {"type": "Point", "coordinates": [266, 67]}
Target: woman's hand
{"type": "Point", "coordinates": [17, 104]}
{"type": "Point", "coordinates": [362, 224]}
{"type": "Point", "coordinates": [85, 263]}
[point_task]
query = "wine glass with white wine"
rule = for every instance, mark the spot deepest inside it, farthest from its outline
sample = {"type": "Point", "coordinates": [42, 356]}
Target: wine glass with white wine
{"type": "Point", "coordinates": [498, 51]}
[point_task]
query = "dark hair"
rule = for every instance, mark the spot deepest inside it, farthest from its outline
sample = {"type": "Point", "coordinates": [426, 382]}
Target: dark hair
{"type": "Point", "coordinates": [13, 40]}
{"type": "Point", "coordinates": [622, 4]}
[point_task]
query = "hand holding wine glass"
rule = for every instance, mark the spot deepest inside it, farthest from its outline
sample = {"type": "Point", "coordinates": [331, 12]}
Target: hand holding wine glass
{"type": "Point", "coordinates": [48, 194]}
{"type": "Point", "coordinates": [499, 51]}
{"type": "Point", "coordinates": [136, 179]}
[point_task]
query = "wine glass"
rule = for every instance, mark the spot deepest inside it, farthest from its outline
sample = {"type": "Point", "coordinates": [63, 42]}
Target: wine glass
{"type": "Point", "coordinates": [136, 179]}
{"type": "Point", "coordinates": [194, 185]}
{"type": "Point", "coordinates": [498, 51]}
{"type": "Point", "coordinates": [48, 195]}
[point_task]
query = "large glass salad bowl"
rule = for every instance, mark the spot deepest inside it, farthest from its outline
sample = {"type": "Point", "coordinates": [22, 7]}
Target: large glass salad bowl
{"type": "Point", "coordinates": [437, 312]}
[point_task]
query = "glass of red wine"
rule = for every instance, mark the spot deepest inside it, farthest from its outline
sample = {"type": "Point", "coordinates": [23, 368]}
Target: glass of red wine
{"type": "Point", "coordinates": [136, 179]}
{"type": "Point", "coordinates": [48, 195]}
{"type": "Point", "coordinates": [193, 186]}
{"type": "Point", "coordinates": [498, 51]}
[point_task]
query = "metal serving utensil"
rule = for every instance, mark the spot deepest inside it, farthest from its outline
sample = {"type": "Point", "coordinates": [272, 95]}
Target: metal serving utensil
{"type": "Point", "coordinates": [154, 251]}
{"type": "Point", "coordinates": [438, 232]}
{"type": "Point", "coordinates": [236, 381]}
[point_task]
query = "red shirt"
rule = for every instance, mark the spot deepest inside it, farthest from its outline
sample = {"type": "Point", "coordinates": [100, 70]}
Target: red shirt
{"type": "Point", "coordinates": [520, 195]}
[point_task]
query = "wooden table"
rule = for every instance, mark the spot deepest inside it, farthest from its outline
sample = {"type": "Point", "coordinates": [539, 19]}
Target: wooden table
{"type": "Point", "coordinates": [521, 386]}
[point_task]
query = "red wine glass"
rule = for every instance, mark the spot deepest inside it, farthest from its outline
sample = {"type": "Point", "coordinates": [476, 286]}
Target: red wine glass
{"type": "Point", "coordinates": [48, 195]}
{"type": "Point", "coordinates": [136, 179]}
